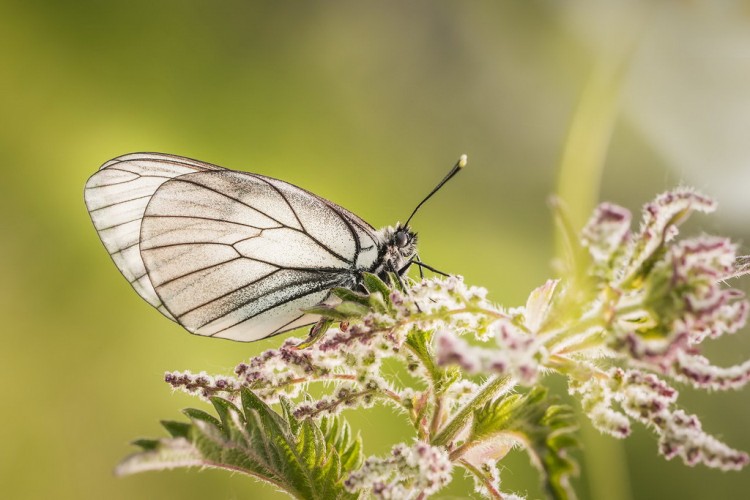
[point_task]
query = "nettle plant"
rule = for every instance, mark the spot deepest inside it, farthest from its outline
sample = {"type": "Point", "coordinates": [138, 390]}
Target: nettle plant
{"type": "Point", "coordinates": [627, 319]}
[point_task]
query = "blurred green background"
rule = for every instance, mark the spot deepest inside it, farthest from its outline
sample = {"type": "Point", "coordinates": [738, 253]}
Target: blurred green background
{"type": "Point", "coordinates": [367, 104]}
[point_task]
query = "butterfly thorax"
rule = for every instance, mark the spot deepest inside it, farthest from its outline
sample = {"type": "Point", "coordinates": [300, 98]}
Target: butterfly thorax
{"type": "Point", "coordinates": [398, 246]}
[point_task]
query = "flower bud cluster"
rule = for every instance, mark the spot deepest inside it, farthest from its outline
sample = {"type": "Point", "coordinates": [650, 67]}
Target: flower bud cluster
{"type": "Point", "coordinates": [447, 302]}
{"type": "Point", "coordinates": [662, 298]}
{"type": "Point", "coordinates": [350, 395]}
{"type": "Point", "coordinates": [516, 353]}
{"type": "Point", "coordinates": [353, 356]}
{"type": "Point", "coordinates": [517, 350]}
{"type": "Point", "coordinates": [459, 393]}
{"type": "Point", "coordinates": [645, 398]}
{"type": "Point", "coordinates": [282, 369]}
{"type": "Point", "coordinates": [376, 333]}
{"type": "Point", "coordinates": [681, 303]}
{"type": "Point", "coordinates": [699, 266]}
{"type": "Point", "coordinates": [699, 372]}
{"type": "Point", "coordinates": [203, 385]}
{"type": "Point", "coordinates": [660, 220]}
{"type": "Point", "coordinates": [656, 300]}
{"type": "Point", "coordinates": [409, 471]}
{"type": "Point", "coordinates": [598, 402]}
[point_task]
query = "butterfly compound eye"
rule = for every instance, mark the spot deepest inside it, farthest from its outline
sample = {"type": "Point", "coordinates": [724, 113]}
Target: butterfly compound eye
{"type": "Point", "coordinates": [401, 239]}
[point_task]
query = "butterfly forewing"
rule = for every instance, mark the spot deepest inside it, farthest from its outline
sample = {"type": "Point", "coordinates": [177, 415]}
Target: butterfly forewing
{"type": "Point", "coordinates": [226, 254]}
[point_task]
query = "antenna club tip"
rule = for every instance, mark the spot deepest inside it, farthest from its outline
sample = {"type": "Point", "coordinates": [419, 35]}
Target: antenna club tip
{"type": "Point", "coordinates": [462, 161]}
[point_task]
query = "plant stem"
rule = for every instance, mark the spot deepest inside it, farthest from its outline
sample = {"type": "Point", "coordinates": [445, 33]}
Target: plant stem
{"type": "Point", "coordinates": [594, 320]}
{"type": "Point", "coordinates": [491, 388]}
{"type": "Point", "coordinates": [437, 415]}
{"type": "Point", "coordinates": [458, 452]}
{"type": "Point", "coordinates": [444, 314]}
{"type": "Point", "coordinates": [606, 466]}
{"type": "Point", "coordinates": [339, 376]}
{"type": "Point", "coordinates": [493, 492]}
{"type": "Point", "coordinates": [337, 402]}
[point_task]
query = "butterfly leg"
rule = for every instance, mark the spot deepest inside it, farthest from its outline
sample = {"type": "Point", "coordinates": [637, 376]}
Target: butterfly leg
{"type": "Point", "coordinates": [418, 262]}
{"type": "Point", "coordinates": [422, 264]}
{"type": "Point", "coordinates": [398, 274]}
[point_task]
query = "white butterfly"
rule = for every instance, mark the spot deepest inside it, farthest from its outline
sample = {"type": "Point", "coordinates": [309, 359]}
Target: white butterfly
{"type": "Point", "coordinates": [231, 254]}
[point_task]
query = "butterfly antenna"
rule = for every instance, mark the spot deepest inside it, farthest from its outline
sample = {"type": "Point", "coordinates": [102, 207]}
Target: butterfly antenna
{"type": "Point", "coordinates": [461, 163]}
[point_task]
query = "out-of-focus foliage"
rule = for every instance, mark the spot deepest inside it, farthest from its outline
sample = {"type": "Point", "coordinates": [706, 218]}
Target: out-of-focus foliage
{"type": "Point", "coordinates": [365, 103]}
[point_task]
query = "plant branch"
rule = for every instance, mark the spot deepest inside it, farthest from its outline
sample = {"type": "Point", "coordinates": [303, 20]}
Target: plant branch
{"type": "Point", "coordinates": [491, 489]}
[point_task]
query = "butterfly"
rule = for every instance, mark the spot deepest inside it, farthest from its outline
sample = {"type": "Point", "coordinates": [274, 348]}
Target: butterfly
{"type": "Point", "coordinates": [231, 254]}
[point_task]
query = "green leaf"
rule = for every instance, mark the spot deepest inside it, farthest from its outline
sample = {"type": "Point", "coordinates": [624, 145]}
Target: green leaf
{"type": "Point", "coordinates": [343, 311]}
{"type": "Point", "coordinates": [554, 444]}
{"type": "Point", "coordinates": [347, 295]}
{"type": "Point", "coordinates": [374, 284]}
{"type": "Point", "coordinates": [379, 303]}
{"type": "Point", "coordinates": [328, 312]}
{"type": "Point", "coordinates": [195, 414]}
{"type": "Point", "coordinates": [304, 458]}
{"type": "Point", "coordinates": [495, 416]}
{"type": "Point", "coordinates": [161, 455]}
{"type": "Point", "coordinates": [146, 444]}
{"type": "Point", "coordinates": [396, 282]}
{"type": "Point", "coordinates": [317, 332]}
{"type": "Point", "coordinates": [352, 309]}
{"type": "Point", "coordinates": [339, 436]}
{"type": "Point", "coordinates": [287, 409]}
{"type": "Point", "coordinates": [176, 429]}
{"type": "Point", "coordinates": [547, 432]}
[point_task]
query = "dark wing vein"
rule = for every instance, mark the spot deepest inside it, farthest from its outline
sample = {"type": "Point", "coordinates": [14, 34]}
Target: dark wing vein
{"type": "Point", "coordinates": [280, 329]}
{"type": "Point", "coordinates": [321, 287]}
{"type": "Point", "coordinates": [330, 205]}
{"type": "Point", "coordinates": [283, 197]}
{"type": "Point", "coordinates": [120, 203]}
{"type": "Point", "coordinates": [322, 245]}
{"type": "Point", "coordinates": [125, 248]}
{"type": "Point", "coordinates": [235, 199]}
{"type": "Point", "coordinates": [190, 243]}
{"type": "Point", "coordinates": [136, 174]}
{"type": "Point", "coordinates": [347, 223]}
{"type": "Point", "coordinates": [213, 219]}
{"type": "Point", "coordinates": [119, 186]}
{"type": "Point", "coordinates": [208, 302]}
{"type": "Point", "coordinates": [170, 280]}
{"type": "Point", "coordinates": [345, 215]}
{"type": "Point", "coordinates": [120, 224]}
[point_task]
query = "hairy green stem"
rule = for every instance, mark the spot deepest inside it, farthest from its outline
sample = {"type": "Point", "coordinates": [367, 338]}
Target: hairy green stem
{"type": "Point", "coordinates": [493, 387]}
{"type": "Point", "coordinates": [436, 415]}
{"type": "Point", "coordinates": [593, 320]}
{"type": "Point", "coordinates": [445, 314]}
{"type": "Point", "coordinates": [493, 492]}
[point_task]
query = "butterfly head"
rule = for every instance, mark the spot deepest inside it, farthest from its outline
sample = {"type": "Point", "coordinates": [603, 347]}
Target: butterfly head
{"type": "Point", "coordinates": [404, 241]}
{"type": "Point", "coordinates": [398, 248]}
